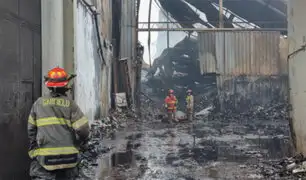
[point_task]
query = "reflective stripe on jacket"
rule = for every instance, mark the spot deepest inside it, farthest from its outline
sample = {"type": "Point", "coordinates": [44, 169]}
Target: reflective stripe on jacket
{"type": "Point", "coordinates": [56, 126]}
{"type": "Point", "coordinates": [189, 102]}
{"type": "Point", "coordinates": [171, 102]}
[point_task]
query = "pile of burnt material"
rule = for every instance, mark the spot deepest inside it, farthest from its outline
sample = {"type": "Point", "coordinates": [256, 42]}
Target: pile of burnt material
{"type": "Point", "coordinates": [101, 130]}
{"type": "Point", "coordinates": [92, 150]}
{"type": "Point", "coordinates": [177, 68]}
{"type": "Point", "coordinates": [244, 93]}
{"type": "Point", "coordinates": [288, 168]}
{"type": "Point", "coordinates": [269, 112]}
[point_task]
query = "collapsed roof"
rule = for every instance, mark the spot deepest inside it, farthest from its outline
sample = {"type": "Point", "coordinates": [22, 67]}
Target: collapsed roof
{"type": "Point", "coordinates": [177, 66]}
{"type": "Point", "coordinates": [260, 13]}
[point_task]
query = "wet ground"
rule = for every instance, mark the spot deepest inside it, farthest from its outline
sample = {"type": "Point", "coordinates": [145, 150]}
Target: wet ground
{"type": "Point", "coordinates": [208, 148]}
{"type": "Point", "coordinates": [212, 154]}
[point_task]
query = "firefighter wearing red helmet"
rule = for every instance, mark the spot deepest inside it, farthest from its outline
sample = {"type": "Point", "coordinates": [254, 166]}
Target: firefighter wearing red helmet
{"type": "Point", "coordinates": [170, 105]}
{"type": "Point", "coordinates": [57, 128]}
{"type": "Point", "coordinates": [189, 104]}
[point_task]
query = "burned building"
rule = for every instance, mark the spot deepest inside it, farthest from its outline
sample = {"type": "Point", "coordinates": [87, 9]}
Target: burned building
{"type": "Point", "coordinates": [223, 59]}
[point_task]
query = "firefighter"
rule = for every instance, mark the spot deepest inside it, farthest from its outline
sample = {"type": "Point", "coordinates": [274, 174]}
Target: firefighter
{"type": "Point", "coordinates": [57, 129]}
{"type": "Point", "coordinates": [170, 105]}
{"type": "Point", "coordinates": [189, 105]}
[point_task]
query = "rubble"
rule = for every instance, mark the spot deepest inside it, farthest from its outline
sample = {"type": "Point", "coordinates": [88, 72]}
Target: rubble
{"type": "Point", "coordinates": [293, 167]}
{"type": "Point", "coordinates": [242, 143]}
{"type": "Point", "coordinates": [95, 148]}
{"type": "Point", "coordinates": [205, 112]}
{"type": "Point", "coordinates": [216, 145]}
{"type": "Point", "coordinates": [176, 68]}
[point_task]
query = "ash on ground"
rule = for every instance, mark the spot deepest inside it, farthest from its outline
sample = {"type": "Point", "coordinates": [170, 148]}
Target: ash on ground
{"type": "Point", "coordinates": [229, 144]}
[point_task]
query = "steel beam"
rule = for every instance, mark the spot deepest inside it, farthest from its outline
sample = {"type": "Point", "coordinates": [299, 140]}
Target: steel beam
{"type": "Point", "coordinates": [209, 29]}
{"type": "Point", "coordinates": [221, 22]}
{"type": "Point", "coordinates": [272, 8]}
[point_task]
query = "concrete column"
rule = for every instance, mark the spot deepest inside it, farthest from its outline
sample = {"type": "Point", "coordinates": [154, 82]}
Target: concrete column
{"type": "Point", "coordinates": [297, 72]}
{"type": "Point", "coordinates": [68, 36]}
{"type": "Point", "coordinates": [57, 35]}
{"type": "Point", "coordinates": [51, 35]}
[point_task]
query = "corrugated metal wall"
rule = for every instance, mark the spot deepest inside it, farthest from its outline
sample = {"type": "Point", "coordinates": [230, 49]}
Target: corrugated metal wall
{"type": "Point", "coordinates": [234, 53]}
{"type": "Point", "coordinates": [248, 65]}
{"type": "Point", "coordinates": [105, 24]}
{"type": "Point", "coordinates": [20, 75]}
{"type": "Point", "coordinates": [128, 39]}
{"type": "Point", "coordinates": [106, 18]}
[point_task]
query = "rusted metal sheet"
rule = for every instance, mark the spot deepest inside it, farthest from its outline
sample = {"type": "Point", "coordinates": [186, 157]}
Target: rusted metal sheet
{"type": "Point", "coordinates": [105, 22]}
{"type": "Point", "coordinates": [251, 66]}
{"type": "Point", "coordinates": [106, 81]}
{"type": "Point", "coordinates": [284, 51]}
{"type": "Point", "coordinates": [236, 53]}
{"type": "Point", "coordinates": [20, 71]}
{"type": "Point", "coordinates": [128, 40]}
{"type": "Point", "coordinates": [105, 18]}
{"type": "Point", "coordinates": [127, 29]}
{"type": "Point", "coordinates": [207, 55]}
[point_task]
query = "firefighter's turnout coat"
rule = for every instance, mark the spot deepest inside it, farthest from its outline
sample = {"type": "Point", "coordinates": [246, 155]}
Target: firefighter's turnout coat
{"type": "Point", "coordinates": [56, 125]}
{"type": "Point", "coordinates": [171, 103]}
{"type": "Point", "coordinates": [189, 103]}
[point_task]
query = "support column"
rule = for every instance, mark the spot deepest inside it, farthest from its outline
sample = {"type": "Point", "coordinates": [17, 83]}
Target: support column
{"type": "Point", "coordinates": [297, 72]}
{"type": "Point", "coordinates": [68, 43]}
{"type": "Point", "coordinates": [57, 36]}
{"type": "Point", "coordinates": [51, 35]}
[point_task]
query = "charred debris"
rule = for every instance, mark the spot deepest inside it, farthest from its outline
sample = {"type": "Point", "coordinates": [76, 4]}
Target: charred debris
{"type": "Point", "coordinates": [263, 114]}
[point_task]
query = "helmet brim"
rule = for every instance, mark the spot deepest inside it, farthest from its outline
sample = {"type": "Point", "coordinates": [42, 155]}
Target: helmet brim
{"type": "Point", "coordinates": [56, 84]}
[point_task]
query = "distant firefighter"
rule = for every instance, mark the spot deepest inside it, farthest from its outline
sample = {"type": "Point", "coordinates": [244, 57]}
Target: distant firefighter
{"type": "Point", "coordinates": [171, 105]}
{"type": "Point", "coordinates": [189, 105]}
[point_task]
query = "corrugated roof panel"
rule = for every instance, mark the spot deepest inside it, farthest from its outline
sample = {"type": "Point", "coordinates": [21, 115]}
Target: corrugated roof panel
{"type": "Point", "coordinates": [237, 53]}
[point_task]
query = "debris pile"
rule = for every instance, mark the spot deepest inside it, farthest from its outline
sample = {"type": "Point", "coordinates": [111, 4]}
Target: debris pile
{"type": "Point", "coordinates": [206, 99]}
{"type": "Point", "coordinates": [224, 144]}
{"type": "Point", "coordinates": [241, 93]}
{"type": "Point", "coordinates": [101, 130]}
{"type": "Point", "coordinates": [286, 168]}
{"type": "Point", "coordinates": [176, 68]}
{"type": "Point", "coordinates": [93, 150]}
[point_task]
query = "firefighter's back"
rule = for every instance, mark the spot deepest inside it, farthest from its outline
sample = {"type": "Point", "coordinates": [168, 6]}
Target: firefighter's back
{"type": "Point", "coordinates": [54, 127]}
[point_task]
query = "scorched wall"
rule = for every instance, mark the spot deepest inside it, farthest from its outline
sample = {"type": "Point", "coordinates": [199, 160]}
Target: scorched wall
{"type": "Point", "coordinates": [73, 40]}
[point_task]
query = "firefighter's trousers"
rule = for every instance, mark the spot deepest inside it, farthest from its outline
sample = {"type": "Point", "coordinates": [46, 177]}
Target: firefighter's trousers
{"type": "Point", "coordinates": [190, 114]}
{"type": "Point", "coordinates": [171, 115]}
{"type": "Point", "coordinates": [37, 172]}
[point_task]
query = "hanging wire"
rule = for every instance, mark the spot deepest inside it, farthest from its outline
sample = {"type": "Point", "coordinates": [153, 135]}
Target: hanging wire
{"type": "Point", "coordinates": [95, 14]}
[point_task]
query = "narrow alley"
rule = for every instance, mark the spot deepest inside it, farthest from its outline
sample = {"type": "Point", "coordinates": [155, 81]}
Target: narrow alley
{"type": "Point", "coordinates": [152, 90]}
